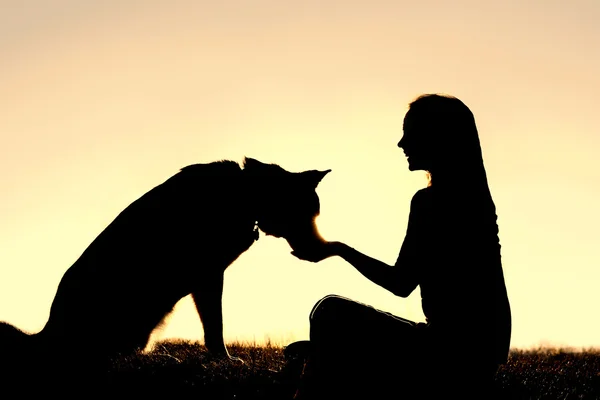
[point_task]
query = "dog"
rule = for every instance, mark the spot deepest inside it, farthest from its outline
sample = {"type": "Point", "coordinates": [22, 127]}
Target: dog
{"type": "Point", "coordinates": [175, 240]}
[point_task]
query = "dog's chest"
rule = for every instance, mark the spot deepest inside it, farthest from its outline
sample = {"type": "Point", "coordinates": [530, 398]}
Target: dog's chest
{"type": "Point", "coordinates": [240, 236]}
{"type": "Point", "coordinates": [227, 238]}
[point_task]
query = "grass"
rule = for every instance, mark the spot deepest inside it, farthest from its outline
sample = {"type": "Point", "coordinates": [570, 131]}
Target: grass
{"type": "Point", "coordinates": [186, 370]}
{"type": "Point", "coordinates": [550, 374]}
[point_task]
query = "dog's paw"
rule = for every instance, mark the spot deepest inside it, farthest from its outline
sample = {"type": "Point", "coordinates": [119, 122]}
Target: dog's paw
{"type": "Point", "coordinates": [236, 360]}
{"type": "Point", "coordinates": [224, 356]}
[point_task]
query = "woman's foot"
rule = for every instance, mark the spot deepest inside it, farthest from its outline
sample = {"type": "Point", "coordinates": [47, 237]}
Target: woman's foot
{"type": "Point", "coordinates": [297, 350]}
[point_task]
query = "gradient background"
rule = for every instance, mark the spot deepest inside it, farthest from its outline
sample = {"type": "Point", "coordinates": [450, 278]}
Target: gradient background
{"type": "Point", "coordinates": [102, 100]}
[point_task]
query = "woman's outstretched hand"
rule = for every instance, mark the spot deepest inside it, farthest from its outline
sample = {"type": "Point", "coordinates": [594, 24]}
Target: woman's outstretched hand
{"type": "Point", "coordinates": [317, 251]}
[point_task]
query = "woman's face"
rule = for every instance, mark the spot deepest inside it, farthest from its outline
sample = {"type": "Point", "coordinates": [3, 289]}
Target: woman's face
{"type": "Point", "coordinates": [413, 143]}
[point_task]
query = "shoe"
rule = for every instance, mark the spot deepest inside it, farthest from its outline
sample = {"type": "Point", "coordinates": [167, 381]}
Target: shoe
{"type": "Point", "coordinates": [297, 350]}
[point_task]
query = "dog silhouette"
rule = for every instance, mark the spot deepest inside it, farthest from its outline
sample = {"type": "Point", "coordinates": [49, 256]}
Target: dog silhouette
{"type": "Point", "coordinates": [175, 240]}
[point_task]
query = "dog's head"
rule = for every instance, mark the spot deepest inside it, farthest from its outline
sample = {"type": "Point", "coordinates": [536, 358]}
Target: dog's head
{"type": "Point", "coordinates": [288, 203]}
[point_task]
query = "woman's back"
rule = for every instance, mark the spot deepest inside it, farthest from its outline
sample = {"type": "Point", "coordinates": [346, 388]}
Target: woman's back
{"type": "Point", "coordinates": [461, 279]}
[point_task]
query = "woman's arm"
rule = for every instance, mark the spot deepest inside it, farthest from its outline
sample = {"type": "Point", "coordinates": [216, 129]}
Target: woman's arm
{"type": "Point", "coordinates": [390, 278]}
{"type": "Point", "coordinates": [400, 279]}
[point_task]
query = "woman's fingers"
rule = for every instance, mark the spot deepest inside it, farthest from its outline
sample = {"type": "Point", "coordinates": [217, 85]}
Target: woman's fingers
{"type": "Point", "coordinates": [314, 253]}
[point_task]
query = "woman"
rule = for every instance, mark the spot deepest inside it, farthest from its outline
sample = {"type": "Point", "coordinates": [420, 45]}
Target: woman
{"type": "Point", "coordinates": [451, 251]}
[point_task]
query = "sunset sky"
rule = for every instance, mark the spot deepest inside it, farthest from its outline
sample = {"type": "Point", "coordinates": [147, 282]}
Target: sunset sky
{"type": "Point", "coordinates": [100, 101]}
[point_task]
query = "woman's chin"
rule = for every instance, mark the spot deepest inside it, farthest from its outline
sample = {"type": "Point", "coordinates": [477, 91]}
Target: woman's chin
{"type": "Point", "coordinates": [416, 167]}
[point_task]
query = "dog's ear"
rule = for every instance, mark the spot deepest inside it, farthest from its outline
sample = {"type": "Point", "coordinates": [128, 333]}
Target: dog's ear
{"type": "Point", "coordinates": [251, 162]}
{"type": "Point", "coordinates": [313, 177]}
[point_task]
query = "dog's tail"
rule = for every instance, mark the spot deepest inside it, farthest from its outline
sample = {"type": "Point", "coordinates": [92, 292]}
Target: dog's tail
{"type": "Point", "coordinates": [23, 359]}
{"type": "Point", "coordinates": [16, 347]}
{"type": "Point", "coordinates": [13, 340]}
{"type": "Point", "coordinates": [12, 337]}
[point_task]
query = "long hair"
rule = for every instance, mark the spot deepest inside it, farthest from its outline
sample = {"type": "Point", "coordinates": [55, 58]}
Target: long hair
{"type": "Point", "coordinates": [451, 132]}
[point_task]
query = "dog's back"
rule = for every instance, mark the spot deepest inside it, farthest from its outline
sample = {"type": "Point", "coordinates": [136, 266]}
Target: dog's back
{"type": "Point", "coordinates": [151, 255]}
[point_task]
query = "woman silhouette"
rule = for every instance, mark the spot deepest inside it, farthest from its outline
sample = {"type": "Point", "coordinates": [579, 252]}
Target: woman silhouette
{"type": "Point", "coordinates": [451, 251]}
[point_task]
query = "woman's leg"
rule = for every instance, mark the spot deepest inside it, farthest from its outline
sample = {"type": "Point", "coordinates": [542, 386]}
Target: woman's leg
{"type": "Point", "coordinates": [356, 347]}
{"type": "Point", "coordinates": [338, 324]}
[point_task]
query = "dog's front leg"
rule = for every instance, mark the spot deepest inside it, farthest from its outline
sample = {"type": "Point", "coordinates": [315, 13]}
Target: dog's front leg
{"type": "Point", "coordinates": [208, 299]}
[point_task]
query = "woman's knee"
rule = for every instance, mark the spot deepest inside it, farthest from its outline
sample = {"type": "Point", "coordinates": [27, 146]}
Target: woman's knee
{"type": "Point", "coordinates": [327, 307]}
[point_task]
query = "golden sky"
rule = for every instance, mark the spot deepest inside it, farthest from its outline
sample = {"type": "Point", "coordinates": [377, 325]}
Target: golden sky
{"type": "Point", "coordinates": [101, 101]}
